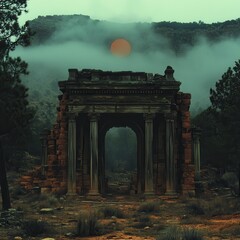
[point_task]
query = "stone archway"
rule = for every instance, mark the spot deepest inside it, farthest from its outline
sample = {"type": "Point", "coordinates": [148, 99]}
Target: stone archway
{"type": "Point", "coordinates": [134, 122]}
{"type": "Point", "coordinates": [92, 101]}
{"type": "Point", "coordinates": [120, 161]}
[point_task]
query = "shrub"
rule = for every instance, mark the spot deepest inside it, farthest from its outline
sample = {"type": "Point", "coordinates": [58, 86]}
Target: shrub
{"type": "Point", "coordinates": [230, 178]}
{"type": "Point", "coordinates": [18, 191]}
{"type": "Point", "coordinates": [195, 208]}
{"type": "Point", "coordinates": [43, 200]}
{"type": "Point", "coordinates": [172, 233]}
{"type": "Point", "coordinates": [191, 234]}
{"type": "Point", "coordinates": [112, 211]}
{"type": "Point", "coordinates": [143, 222]}
{"type": "Point", "coordinates": [34, 227]}
{"type": "Point", "coordinates": [149, 207]}
{"type": "Point", "coordinates": [88, 224]}
{"type": "Point", "coordinates": [176, 233]}
{"type": "Point", "coordinates": [219, 206]}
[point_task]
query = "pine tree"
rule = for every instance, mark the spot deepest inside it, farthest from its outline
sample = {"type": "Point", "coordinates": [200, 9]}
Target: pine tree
{"type": "Point", "coordinates": [14, 111]}
{"type": "Point", "coordinates": [225, 101]}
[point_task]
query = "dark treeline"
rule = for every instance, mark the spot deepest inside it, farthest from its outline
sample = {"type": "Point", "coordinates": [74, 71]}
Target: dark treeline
{"type": "Point", "coordinates": [178, 34]}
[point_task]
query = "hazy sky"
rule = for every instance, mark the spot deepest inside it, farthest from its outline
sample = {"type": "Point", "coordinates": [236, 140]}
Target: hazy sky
{"type": "Point", "coordinates": [139, 10]}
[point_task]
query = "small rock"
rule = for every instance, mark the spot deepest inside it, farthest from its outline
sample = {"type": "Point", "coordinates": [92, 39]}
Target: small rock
{"type": "Point", "coordinates": [47, 210]}
{"type": "Point", "coordinates": [69, 234]}
{"type": "Point", "coordinates": [48, 238]}
{"type": "Point", "coordinates": [113, 217]}
{"type": "Point", "coordinates": [147, 227]}
{"type": "Point", "coordinates": [184, 216]}
{"type": "Point", "coordinates": [59, 208]}
{"type": "Point", "coordinates": [12, 210]}
{"type": "Point", "coordinates": [18, 238]}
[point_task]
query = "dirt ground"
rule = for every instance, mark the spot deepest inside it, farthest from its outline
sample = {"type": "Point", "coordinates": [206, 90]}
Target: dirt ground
{"type": "Point", "coordinates": [65, 212]}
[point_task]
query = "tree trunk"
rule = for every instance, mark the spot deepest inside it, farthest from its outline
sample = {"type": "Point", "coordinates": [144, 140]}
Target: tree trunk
{"type": "Point", "coordinates": [239, 179]}
{"type": "Point", "coordinates": [6, 204]}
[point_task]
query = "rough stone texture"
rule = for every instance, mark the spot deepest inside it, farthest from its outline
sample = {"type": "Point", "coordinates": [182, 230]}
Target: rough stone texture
{"type": "Point", "coordinates": [118, 93]}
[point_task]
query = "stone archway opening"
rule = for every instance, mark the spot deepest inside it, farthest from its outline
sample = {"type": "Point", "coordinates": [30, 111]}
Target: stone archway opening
{"type": "Point", "coordinates": [121, 161]}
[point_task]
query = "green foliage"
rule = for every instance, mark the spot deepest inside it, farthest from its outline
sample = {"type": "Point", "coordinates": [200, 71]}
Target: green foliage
{"type": "Point", "coordinates": [191, 234]}
{"type": "Point", "coordinates": [214, 207]}
{"type": "Point", "coordinates": [172, 233]}
{"type": "Point", "coordinates": [195, 208]}
{"type": "Point", "coordinates": [220, 123]}
{"type": "Point", "coordinates": [149, 207]}
{"type": "Point", "coordinates": [143, 221]}
{"type": "Point", "coordinates": [110, 211]}
{"type": "Point", "coordinates": [35, 228]}
{"type": "Point", "coordinates": [176, 233]}
{"type": "Point", "coordinates": [219, 206]}
{"type": "Point", "coordinates": [12, 34]}
{"type": "Point", "coordinates": [43, 200]}
{"type": "Point", "coordinates": [225, 101]}
{"type": "Point", "coordinates": [88, 225]}
{"type": "Point", "coordinates": [14, 111]}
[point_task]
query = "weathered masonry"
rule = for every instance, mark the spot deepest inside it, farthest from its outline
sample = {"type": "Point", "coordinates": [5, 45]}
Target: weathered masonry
{"type": "Point", "coordinates": [94, 101]}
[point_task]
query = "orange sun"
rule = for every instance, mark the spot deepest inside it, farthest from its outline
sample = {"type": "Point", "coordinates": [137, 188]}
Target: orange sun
{"type": "Point", "coordinates": [121, 47]}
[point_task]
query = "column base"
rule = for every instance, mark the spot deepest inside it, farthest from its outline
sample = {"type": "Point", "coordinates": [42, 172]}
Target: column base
{"type": "Point", "coordinates": [93, 193]}
{"type": "Point", "coordinates": [170, 193]}
{"type": "Point", "coordinates": [149, 193]}
{"type": "Point", "coordinates": [71, 194]}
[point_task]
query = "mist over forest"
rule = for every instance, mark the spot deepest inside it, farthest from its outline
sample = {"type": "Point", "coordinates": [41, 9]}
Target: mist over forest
{"type": "Point", "coordinates": [199, 53]}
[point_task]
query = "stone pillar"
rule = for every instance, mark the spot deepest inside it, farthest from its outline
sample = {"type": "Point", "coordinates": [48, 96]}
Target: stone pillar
{"type": "Point", "coordinates": [196, 133]}
{"type": "Point", "coordinates": [148, 154]}
{"type": "Point", "coordinates": [94, 154]}
{"type": "Point", "coordinates": [71, 155]}
{"type": "Point", "coordinates": [44, 154]}
{"type": "Point", "coordinates": [170, 156]}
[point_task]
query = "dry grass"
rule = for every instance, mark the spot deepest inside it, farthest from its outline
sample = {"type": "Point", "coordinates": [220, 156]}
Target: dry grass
{"type": "Point", "coordinates": [150, 207]}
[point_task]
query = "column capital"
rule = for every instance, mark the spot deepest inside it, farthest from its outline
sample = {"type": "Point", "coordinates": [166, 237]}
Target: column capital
{"type": "Point", "coordinates": [148, 116]}
{"type": "Point", "coordinates": [93, 116]}
{"type": "Point", "coordinates": [169, 116]}
{"type": "Point", "coordinates": [196, 133]}
{"type": "Point", "coordinates": [72, 116]}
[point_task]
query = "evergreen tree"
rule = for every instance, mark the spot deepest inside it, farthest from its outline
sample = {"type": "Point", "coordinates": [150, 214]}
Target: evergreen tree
{"type": "Point", "coordinates": [14, 111]}
{"type": "Point", "coordinates": [225, 99]}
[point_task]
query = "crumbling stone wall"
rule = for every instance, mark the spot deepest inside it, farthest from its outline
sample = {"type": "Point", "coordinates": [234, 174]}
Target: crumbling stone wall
{"type": "Point", "coordinates": [185, 154]}
{"type": "Point", "coordinates": [54, 176]}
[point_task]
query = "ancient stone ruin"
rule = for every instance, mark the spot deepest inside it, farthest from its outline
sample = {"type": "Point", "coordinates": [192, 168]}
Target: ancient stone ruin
{"type": "Point", "coordinates": [92, 102]}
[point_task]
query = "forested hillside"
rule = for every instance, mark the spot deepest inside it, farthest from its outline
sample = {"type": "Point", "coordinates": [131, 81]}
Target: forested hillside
{"type": "Point", "coordinates": [179, 35]}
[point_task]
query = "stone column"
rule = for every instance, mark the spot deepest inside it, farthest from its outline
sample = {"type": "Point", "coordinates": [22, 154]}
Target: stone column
{"type": "Point", "coordinates": [196, 133]}
{"type": "Point", "coordinates": [44, 154]}
{"type": "Point", "coordinates": [148, 154]}
{"type": "Point", "coordinates": [94, 154]}
{"type": "Point", "coordinates": [170, 156]}
{"type": "Point", "coordinates": [71, 155]}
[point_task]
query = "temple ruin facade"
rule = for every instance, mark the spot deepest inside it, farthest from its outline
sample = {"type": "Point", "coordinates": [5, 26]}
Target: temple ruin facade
{"type": "Point", "coordinates": [92, 102]}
